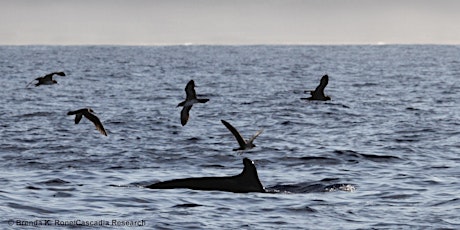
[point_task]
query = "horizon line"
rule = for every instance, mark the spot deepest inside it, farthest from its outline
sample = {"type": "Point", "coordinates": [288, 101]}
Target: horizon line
{"type": "Point", "coordinates": [228, 44]}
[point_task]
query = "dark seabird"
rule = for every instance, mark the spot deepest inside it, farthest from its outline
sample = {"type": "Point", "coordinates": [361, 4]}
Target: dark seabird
{"type": "Point", "coordinates": [87, 112]}
{"type": "Point", "coordinates": [244, 145]}
{"type": "Point", "coordinates": [189, 101]}
{"type": "Point", "coordinates": [47, 79]}
{"type": "Point", "coordinates": [318, 94]}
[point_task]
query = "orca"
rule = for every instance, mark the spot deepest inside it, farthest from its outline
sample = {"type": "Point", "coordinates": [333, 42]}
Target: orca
{"type": "Point", "coordinates": [245, 182]}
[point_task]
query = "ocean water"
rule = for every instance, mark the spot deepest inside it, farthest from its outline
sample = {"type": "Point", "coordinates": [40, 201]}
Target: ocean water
{"type": "Point", "coordinates": [390, 134]}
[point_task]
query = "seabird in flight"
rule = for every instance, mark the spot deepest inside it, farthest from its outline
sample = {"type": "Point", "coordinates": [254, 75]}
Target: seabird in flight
{"type": "Point", "coordinates": [244, 145]}
{"type": "Point", "coordinates": [318, 93]}
{"type": "Point", "coordinates": [189, 101]}
{"type": "Point", "coordinates": [47, 79]}
{"type": "Point", "coordinates": [88, 113]}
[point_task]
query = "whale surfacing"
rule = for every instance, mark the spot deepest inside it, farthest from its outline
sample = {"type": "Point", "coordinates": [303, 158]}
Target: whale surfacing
{"type": "Point", "coordinates": [246, 181]}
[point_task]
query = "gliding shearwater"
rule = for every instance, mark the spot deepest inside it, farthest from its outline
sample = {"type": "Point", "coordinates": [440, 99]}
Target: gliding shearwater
{"type": "Point", "coordinates": [47, 79]}
{"type": "Point", "coordinates": [189, 101]}
{"type": "Point", "coordinates": [88, 113]}
{"type": "Point", "coordinates": [244, 145]}
{"type": "Point", "coordinates": [318, 93]}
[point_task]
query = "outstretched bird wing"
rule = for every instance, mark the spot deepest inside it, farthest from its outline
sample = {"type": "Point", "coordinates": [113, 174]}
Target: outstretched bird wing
{"type": "Point", "coordinates": [235, 133]}
{"type": "Point", "coordinates": [36, 79]}
{"type": "Point", "coordinates": [184, 114]}
{"type": "Point", "coordinates": [255, 136]}
{"type": "Point", "coordinates": [96, 122]}
{"type": "Point", "coordinates": [78, 118]}
{"type": "Point", "coordinates": [190, 90]}
{"type": "Point", "coordinates": [322, 84]}
{"type": "Point", "coordinates": [59, 73]}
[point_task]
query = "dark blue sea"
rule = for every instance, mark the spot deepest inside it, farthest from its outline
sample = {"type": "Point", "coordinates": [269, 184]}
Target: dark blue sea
{"type": "Point", "coordinates": [390, 135]}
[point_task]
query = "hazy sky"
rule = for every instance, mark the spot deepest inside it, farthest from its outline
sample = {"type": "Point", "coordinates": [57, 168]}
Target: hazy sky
{"type": "Point", "coordinates": [159, 22]}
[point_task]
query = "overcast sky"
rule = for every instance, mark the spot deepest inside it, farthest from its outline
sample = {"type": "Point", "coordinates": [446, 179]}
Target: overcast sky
{"type": "Point", "coordinates": [161, 22]}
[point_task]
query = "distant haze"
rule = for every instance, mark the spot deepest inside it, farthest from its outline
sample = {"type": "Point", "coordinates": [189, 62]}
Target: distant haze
{"type": "Point", "coordinates": [163, 22]}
